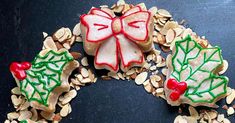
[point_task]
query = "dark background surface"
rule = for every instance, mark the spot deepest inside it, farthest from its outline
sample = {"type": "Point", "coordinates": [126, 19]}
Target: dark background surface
{"type": "Point", "coordinates": [23, 21]}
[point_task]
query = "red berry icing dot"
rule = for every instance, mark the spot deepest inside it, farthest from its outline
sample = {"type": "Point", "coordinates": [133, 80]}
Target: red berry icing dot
{"type": "Point", "coordinates": [175, 95]}
{"type": "Point", "coordinates": [18, 69]}
{"type": "Point", "coordinates": [172, 83]}
{"type": "Point", "coordinates": [177, 87]}
{"type": "Point", "coordinates": [26, 65]}
{"type": "Point", "coordinates": [181, 87]}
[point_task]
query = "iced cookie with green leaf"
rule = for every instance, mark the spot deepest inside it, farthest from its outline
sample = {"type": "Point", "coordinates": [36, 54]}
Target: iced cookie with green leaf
{"type": "Point", "coordinates": [193, 75]}
{"type": "Point", "coordinates": [43, 80]}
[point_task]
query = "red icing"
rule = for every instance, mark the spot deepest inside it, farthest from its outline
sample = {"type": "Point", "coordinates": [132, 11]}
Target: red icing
{"type": "Point", "coordinates": [102, 26]}
{"type": "Point", "coordinates": [95, 11]}
{"type": "Point", "coordinates": [175, 95]}
{"type": "Point", "coordinates": [105, 15]}
{"type": "Point", "coordinates": [18, 69]}
{"type": "Point", "coordinates": [132, 24]}
{"type": "Point", "coordinates": [177, 87]}
{"type": "Point", "coordinates": [182, 86]}
{"type": "Point", "coordinates": [171, 84]}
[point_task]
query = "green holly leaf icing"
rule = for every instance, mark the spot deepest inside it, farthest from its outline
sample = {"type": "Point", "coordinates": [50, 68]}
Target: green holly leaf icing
{"type": "Point", "coordinates": [44, 76]}
{"type": "Point", "coordinates": [196, 66]}
{"type": "Point", "coordinates": [24, 121]}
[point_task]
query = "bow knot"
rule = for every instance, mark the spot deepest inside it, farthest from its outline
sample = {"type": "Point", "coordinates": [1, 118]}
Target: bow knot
{"type": "Point", "coordinates": [116, 26]}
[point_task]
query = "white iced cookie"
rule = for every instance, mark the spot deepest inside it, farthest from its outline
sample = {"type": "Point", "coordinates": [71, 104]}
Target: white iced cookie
{"type": "Point", "coordinates": [114, 39]}
{"type": "Point", "coordinates": [193, 75]}
{"type": "Point", "coordinates": [46, 78]}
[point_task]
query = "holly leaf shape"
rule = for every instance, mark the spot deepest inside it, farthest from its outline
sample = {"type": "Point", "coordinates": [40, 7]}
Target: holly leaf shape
{"type": "Point", "coordinates": [44, 76]}
{"type": "Point", "coordinates": [197, 66]}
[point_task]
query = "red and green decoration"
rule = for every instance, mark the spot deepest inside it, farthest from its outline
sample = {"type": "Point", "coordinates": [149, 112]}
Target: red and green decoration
{"type": "Point", "coordinates": [38, 80]}
{"type": "Point", "coordinates": [194, 72]}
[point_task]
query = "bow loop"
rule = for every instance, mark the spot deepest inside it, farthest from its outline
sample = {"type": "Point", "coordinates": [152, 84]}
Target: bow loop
{"type": "Point", "coordinates": [96, 11]}
{"type": "Point", "coordinates": [97, 30]}
{"type": "Point", "coordinates": [136, 29]}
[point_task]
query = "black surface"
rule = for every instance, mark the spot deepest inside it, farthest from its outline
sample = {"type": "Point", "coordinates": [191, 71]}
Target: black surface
{"type": "Point", "coordinates": [23, 21]}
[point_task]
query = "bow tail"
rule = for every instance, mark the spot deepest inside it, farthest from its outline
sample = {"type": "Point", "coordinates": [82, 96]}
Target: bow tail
{"type": "Point", "coordinates": [130, 53]}
{"type": "Point", "coordinates": [107, 55]}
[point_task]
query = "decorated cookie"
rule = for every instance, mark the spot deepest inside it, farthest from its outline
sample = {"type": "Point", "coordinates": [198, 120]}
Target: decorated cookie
{"type": "Point", "coordinates": [113, 39]}
{"type": "Point", "coordinates": [45, 79]}
{"type": "Point", "coordinates": [193, 75]}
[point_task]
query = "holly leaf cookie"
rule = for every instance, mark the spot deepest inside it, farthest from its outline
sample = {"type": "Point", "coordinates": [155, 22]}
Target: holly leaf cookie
{"type": "Point", "coordinates": [193, 75]}
{"type": "Point", "coordinates": [46, 78]}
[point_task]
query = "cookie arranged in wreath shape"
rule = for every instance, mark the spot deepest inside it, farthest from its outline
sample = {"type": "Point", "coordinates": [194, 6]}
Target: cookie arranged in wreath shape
{"type": "Point", "coordinates": [125, 40]}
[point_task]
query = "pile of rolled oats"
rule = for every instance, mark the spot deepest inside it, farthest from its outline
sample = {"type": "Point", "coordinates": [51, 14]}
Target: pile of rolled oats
{"type": "Point", "coordinates": [151, 75]}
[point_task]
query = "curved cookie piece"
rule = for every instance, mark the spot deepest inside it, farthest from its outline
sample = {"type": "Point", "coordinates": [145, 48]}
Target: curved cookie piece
{"type": "Point", "coordinates": [193, 75]}
{"type": "Point", "coordinates": [46, 78]}
{"type": "Point", "coordinates": [114, 39]}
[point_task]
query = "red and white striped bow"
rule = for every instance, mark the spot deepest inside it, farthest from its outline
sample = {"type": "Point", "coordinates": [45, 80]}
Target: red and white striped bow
{"type": "Point", "coordinates": [118, 37]}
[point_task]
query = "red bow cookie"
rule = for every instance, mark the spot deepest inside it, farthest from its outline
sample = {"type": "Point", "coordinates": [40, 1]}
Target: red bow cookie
{"type": "Point", "coordinates": [177, 87]}
{"type": "Point", "coordinates": [18, 69]}
{"type": "Point", "coordinates": [112, 39]}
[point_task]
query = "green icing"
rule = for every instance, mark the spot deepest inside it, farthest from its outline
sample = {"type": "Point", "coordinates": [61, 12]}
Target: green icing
{"type": "Point", "coordinates": [24, 121]}
{"type": "Point", "coordinates": [44, 76]}
{"type": "Point", "coordinates": [196, 66]}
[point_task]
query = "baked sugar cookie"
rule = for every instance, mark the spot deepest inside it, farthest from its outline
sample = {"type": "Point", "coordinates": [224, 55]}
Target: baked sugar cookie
{"type": "Point", "coordinates": [193, 75]}
{"type": "Point", "coordinates": [113, 39]}
{"type": "Point", "coordinates": [45, 79]}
